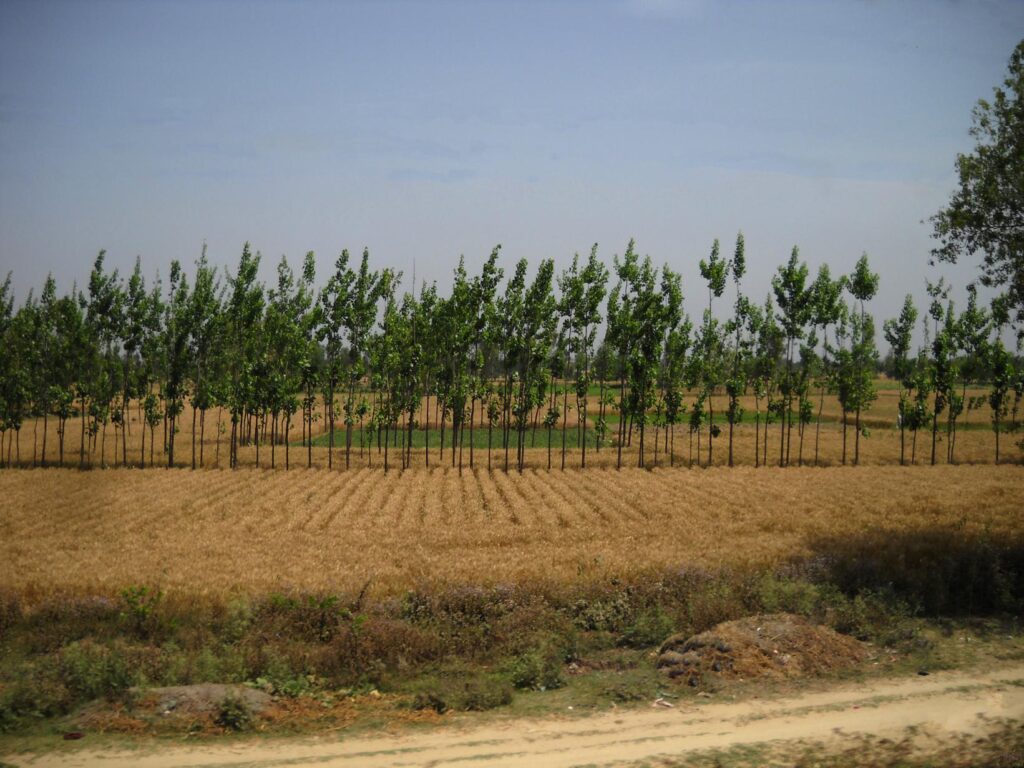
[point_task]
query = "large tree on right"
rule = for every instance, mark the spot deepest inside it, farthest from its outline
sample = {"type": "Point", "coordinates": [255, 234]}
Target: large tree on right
{"type": "Point", "coordinates": [985, 215]}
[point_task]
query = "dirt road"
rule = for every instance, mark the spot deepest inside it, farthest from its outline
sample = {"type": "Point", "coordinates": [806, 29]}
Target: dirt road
{"type": "Point", "coordinates": [936, 708]}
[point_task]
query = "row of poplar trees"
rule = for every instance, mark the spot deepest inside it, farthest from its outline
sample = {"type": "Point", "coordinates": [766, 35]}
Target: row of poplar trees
{"type": "Point", "coordinates": [503, 355]}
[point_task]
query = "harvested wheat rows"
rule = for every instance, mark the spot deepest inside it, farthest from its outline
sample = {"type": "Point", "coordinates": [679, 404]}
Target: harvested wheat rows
{"type": "Point", "coordinates": [219, 532]}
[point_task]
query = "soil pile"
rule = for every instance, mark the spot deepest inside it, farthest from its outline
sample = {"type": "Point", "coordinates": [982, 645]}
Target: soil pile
{"type": "Point", "coordinates": [200, 699]}
{"type": "Point", "coordinates": [774, 646]}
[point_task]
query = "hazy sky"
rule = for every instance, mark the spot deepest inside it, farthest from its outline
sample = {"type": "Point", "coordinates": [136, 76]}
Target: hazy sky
{"type": "Point", "coordinates": [429, 130]}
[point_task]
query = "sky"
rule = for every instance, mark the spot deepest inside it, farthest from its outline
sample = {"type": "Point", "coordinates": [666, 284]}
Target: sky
{"type": "Point", "coordinates": [426, 131]}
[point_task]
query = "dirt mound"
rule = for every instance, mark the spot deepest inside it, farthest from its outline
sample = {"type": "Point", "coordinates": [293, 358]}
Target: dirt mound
{"type": "Point", "coordinates": [199, 699]}
{"type": "Point", "coordinates": [775, 645]}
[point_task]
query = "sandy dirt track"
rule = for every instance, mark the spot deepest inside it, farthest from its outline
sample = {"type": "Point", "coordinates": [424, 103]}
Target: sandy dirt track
{"type": "Point", "coordinates": [938, 707]}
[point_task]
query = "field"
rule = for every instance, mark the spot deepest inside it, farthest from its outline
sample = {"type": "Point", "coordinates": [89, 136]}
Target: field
{"type": "Point", "coordinates": [879, 445]}
{"type": "Point", "coordinates": [253, 531]}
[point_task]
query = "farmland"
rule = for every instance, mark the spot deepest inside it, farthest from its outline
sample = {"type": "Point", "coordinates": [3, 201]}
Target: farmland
{"type": "Point", "coordinates": [251, 532]}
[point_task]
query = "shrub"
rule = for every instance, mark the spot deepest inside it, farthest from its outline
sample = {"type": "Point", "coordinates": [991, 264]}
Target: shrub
{"type": "Point", "coordinates": [233, 713]}
{"type": "Point", "coordinates": [537, 670]}
{"type": "Point", "coordinates": [139, 608]}
{"type": "Point", "coordinates": [649, 628]}
{"type": "Point", "coordinates": [92, 671]}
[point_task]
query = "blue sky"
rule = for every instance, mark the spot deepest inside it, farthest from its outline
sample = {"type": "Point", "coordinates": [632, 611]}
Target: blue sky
{"type": "Point", "coordinates": [429, 130]}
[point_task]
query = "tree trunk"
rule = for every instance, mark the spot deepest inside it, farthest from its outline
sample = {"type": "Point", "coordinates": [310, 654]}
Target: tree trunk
{"type": "Point", "coordinates": [565, 421]}
{"type": "Point", "coordinates": [856, 441]}
{"type": "Point", "coordinates": [711, 425]}
{"type": "Point", "coordinates": [329, 415]}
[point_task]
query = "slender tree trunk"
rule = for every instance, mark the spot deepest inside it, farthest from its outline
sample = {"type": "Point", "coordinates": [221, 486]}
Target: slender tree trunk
{"type": "Point", "coordinates": [472, 416]}
{"type": "Point", "coordinates": [273, 440]}
{"type": "Point", "coordinates": [202, 437]}
{"type": "Point", "coordinates": [757, 432]}
{"type": "Point", "coordinates": [856, 441]}
{"type": "Point", "coordinates": [817, 426]}
{"type": "Point", "coordinates": [329, 417]}
{"type": "Point", "coordinates": [732, 418]}
{"type": "Point", "coordinates": [565, 421]}
{"type": "Point", "coordinates": [711, 424]}
{"type": "Point", "coordinates": [622, 421]}
{"type": "Point", "coordinates": [193, 436]}
{"type": "Point", "coordinates": [81, 449]}
{"type": "Point", "coordinates": [844, 436]}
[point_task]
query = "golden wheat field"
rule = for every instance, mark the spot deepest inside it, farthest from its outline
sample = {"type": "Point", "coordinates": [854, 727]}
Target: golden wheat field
{"type": "Point", "coordinates": [219, 532]}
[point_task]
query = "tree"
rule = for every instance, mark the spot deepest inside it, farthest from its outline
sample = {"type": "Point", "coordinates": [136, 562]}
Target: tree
{"type": "Point", "coordinates": [204, 316]}
{"type": "Point", "coordinates": [794, 297]}
{"type": "Point", "coordinates": [897, 333]}
{"type": "Point", "coordinates": [827, 309]}
{"type": "Point", "coordinates": [243, 319]}
{"type": "Point", "coordinates": [714, 271]}
{"type": "Point", "coordinates": [863, 285]}
{"type": "Point", "coordinates": [736, 384]}
{"type": "Point", "coordinates": [986, 213]}
{"type": "Point", "coordinates": [583, 290]}
{"type": "Point", "coordinates": [177, 332]}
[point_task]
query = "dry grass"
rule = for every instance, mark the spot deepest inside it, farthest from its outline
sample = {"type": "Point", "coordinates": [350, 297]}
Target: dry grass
{"type": "Point", "coordinates": [220, 532]}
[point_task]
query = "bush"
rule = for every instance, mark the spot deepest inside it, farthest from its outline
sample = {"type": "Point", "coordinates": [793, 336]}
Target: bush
{"type": "Point", "coordinates": [651, 627]}
{"type": "Point", "coordinates": [471, 693]}
{"type": "Point", "coordinates": [92, 671]}
{"type": "Point", "coordinates": [139, 611]}
{"type": "Point", "coordinates": [233, 713]}
{"type": "Point", "coordinates": [537, 670]}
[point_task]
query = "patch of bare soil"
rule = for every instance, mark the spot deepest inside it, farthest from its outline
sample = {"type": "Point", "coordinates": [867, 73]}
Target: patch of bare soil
{"type": "Point", "coordinates": [199, 699]}
{"type": "Point", "coordinates": [773, 646]}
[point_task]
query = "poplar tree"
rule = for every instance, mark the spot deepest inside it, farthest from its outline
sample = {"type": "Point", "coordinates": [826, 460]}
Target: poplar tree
{"type": "Point", "coordinates": [863, 286]}
{"type": "Point", "coordinates": [898, 335]}
{"type": "Point", "coordinates": [715, 272]}
{"type": "Point", "coordinates": [736, 383]}
{"type": "Point", "coordinates": [205, 326]}
{"type": "Point", "coordinates": [826, 300]}
{"type": "Point", "coordinates": [793, 297]}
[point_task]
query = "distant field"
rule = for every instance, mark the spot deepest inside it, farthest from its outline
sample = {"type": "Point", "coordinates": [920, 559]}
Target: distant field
{"type": "Point", "coordinates": [975, 442]}
{"type": "Point", "coordinates": [219, 532]}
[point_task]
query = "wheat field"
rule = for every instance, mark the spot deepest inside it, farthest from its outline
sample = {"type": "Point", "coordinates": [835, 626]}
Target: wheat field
{"type": "Point", "coordinates": [223, 532]}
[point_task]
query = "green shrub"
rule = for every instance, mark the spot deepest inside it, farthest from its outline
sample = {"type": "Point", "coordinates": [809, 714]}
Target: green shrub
{"type": "Point", "coordinates": [650, 627]}
{"type": "Point", "coordinates": [92, 671]}
{"type": "Point", "coordinates": [233, 713]}
{"type": "Point", "coordinates": [537, 670]}
{"type": "Point", "coordinates": [139, 608]}
{"type": "Point", "coordinates": [462, 693]}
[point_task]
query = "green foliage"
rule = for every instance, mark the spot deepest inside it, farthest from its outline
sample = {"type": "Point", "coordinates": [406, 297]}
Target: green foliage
{"type": "Point", "coordinates": [140, 604]}
{"type": "Point", "coordinates": [92, 671]}
{"type": "Point", "coordinates": [983, 215]}
{"type": "Point", "coordinates": [233, 713]}
{"type": "Point", "coordinates": [539, 669]}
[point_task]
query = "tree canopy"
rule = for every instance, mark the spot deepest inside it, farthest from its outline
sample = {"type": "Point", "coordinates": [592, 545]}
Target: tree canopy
{"type": "Point", "coordinates": [986, 213]}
